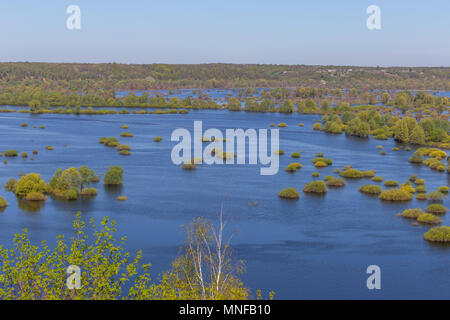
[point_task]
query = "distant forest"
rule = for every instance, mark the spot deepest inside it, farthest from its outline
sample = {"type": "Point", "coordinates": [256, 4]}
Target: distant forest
{"type": "Point", "coordinates": [112, 76]}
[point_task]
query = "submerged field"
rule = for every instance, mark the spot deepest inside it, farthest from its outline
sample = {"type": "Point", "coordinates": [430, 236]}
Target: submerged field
{"type": "Point", "coordinates": [316, 247]}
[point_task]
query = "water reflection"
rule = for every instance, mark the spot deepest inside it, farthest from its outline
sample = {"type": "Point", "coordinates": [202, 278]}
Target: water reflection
{"type": "Point", "coordinates": [30, 206]}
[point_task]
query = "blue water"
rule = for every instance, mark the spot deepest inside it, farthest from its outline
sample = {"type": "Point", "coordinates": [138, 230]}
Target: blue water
{"type": "Point", "coordinates": [316, 247]}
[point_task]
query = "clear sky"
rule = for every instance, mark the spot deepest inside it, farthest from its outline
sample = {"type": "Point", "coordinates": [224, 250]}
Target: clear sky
{"type": "Point", "coordinates": [326, 32]}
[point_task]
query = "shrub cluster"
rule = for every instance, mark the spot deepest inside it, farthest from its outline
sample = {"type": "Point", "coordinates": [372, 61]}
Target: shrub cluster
{"type": "Point", "coordinates": [289, 193]}
{"type": "Point", "coordinates": [371, 189]}
{"type": "Point", "coordinates": [315, 187]}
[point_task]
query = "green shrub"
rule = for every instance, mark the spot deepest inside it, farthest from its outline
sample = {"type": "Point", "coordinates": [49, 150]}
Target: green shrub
{"type": "Point", "coordinates": [289, 193]}
{"type": "Point", "coordinates": [35, 196]}
{"type": "Point", "coordinates": [113, 176]}
{"type": "Point", "coordinates": [421, 189]}
{"type": "Point", "coordinates": [418, 182]}
{"type": "Point", "coordinates": [413, 178]}
{"type": "Point", "coordinates": [435, 196]}
{"type": "Point", "coordinates": [9, 185]}
{"type": "Point", "coordinates": [71, 194]}
{"type": "Point", "coordinates": [123, 147]}
{"type": "Point", "coordinates": [395, 195]}
{"type": "Point", "coordinates": [443, 189]}
{"type": "Point", "coordinates": [126, 135]}
{"type": "Point", "coordinates": [295, 155]}
{"type": "Point", "coordinates": [122, 198]}
{"type": "Point", "coordinates": [328, 162]}
{"type": "Point", "coordinates": [125, 153]}
{"type": "Point", "coordinates": [368, 173]}
{"type": "Point", "coordinates": [31, 182]}
{"type": "Point", "coordinates": [438, 234]}
{"type": "Point", "coordinates": [315, 187]}
{"type": "Point", "coordinates": [436, 208]}
{"type": "Point", "coordinates": [335, 182]}
{"type": "Point", "coordinates": [337, 170]}
{"type": "Point", "coordinates": [11, 153]}
{"type": "Point", "coordinates": [352, 174]}
{"type": "Point", "coordinates": [292, 167]}
{"type": "Point", "coordinates": [282, 125]}
{"type": "Point", "coordinates": [317, 126]}
{"type": "Point", "coordinates": [390, 183]}
{"type": "Point", "coordinates": [157, 139]}
{"type": "Point", "coordinates": [320, 164]}
{"type": "Point", "coordinates": [408, 187]}
{"type": "Point", "coordinates": [395, 149]}
{"type": "Point", "coordinates": [412, 213]}
{"type": "Point", "coordinates": [24, 155]}
{"type": "Point", "coordinates": [377, 179]}
{"type": "Point", "coordinates": [379, 147]}
{"type": "Point", "coordinates": [3, 203]}
{"type": "Point", "coordinates": [315, 174]}
{"type": "Point", "coordinates": [408, 149]}
{"type": "Point", "coordinates": [124, 126]}
{"type": "Point", "coordinates": [24, 125]}
{"type": "Point", "coordinates": [92, 192]}
{"type": "Point", "coordinates": [301, 125]}
{"type": "Point", "coordinates": [371, 189]}
{"type": "Point", "coordinates": [429, 218]}
{"type": "Point", "coordinates": [421, 196]}
{"type": "Point", "coordinates": [49, 148]}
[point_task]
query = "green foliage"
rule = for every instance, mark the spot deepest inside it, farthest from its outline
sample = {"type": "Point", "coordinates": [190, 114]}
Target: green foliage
{"type": "Point", "coordinates": [86, 176]}
{"type": "Point", "coordinates": [429, 218]}
{"type": "Point", "coordinates": [35, 196]}
{"type": "Point", "coordinates": [289, 193]}
{"type": "Point", "coordinates": [109, 142]}
{"type": "Point", "coordinates": [295, 155]}
{"type": "Point", "coordinates": [371, 189]}
{"type": "Point", "coordinates": [390, 183]}
{"type": "Point", "coordinates": [3, 202]}
{"type": "Point", "coordinates": [352, 174]}
{"type": "Point", "coordinates": [292, 167]}
{"type": "Point", "coordinates": [377, 179]}
{"type": "Point", "coordinates": [157, 139]}
{"type": "Point", "coordinates": [436, 208]}
{"type": "Point", "coordinates": [70, 179]}
{"type": "Point", "coordinates": [328, 162]}
{"type": "Point", "coordinates": [443, 189]}
{"type": "Point", "coordinates": [417, 157]}
{"type": "Point", "coordinates": [113, 176]}
{"type": "Point", "coordinates": [126, 135]}
{"type": "Point", "coordinates": [412, 213]}
{"type": "Point", "coordinates": [335, 182]}
{"type": "Point", "coordinates": [11, 153]}
{"type": "Point", "coordinates": [435, 196]}
{"type": "Point", "coordinates": [9, 185]}
{"type": "Point", "coordinates": [71, 194]}
{"type": "Point", "coordinates": [315, 187]}
{"type": "Point", "coordinates": [438, 234]}
{"type": "Point", "coordinates": [396, 195]}
{"type": "Point", "coordinates": [31, 182]}
{"type": "Point", "coordinates": [123, 147]}
{"type": "Point", "coordinates": [91, 192]}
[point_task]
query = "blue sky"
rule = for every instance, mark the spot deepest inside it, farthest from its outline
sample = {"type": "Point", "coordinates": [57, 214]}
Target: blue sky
{"type": "Point", "coordinates": [326, 32]}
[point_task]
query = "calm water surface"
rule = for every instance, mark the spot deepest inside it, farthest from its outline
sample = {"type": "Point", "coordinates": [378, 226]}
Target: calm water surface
{"type": "Point", "coordinates": [317, 247]}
